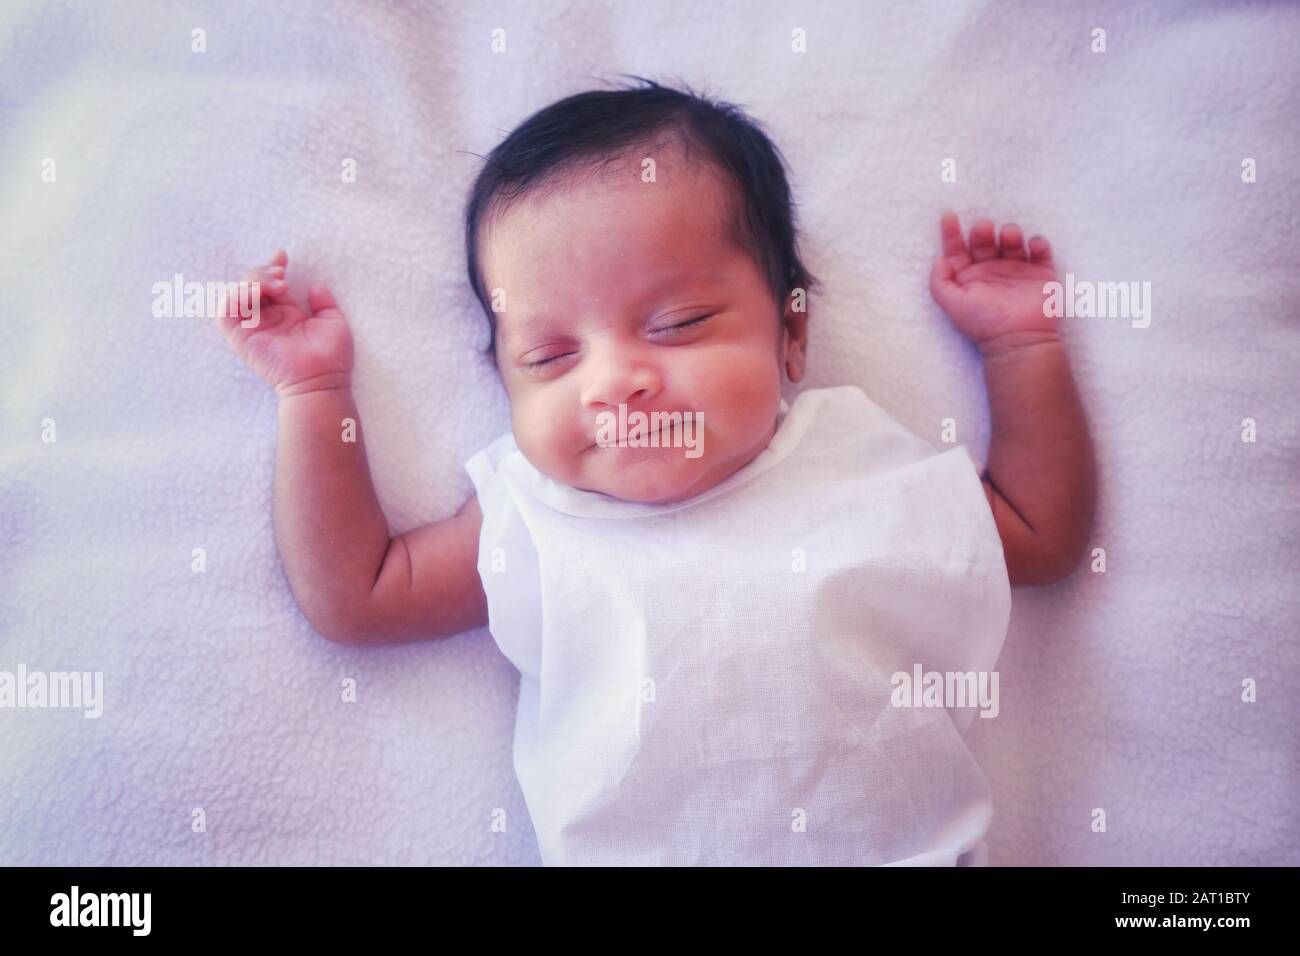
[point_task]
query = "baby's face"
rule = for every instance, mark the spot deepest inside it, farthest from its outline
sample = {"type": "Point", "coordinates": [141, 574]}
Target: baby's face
{"type": "Point", "coordinates": [595, 276]}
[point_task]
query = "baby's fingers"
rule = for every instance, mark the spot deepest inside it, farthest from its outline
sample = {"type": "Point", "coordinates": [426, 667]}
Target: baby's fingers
{"type": "Point", "coordinates": [277, 265]}
{"type": "Point", "coordinates": [1040, 250]}
{"type": "Point", "coordinates": [983, 241]}
{"type": "Point", "coordinates": [237, 300]}
{"type": "Point", "coordinates": [954, 245]}
{"type": "Point", "coordinates": [242, 302]}
{"type": "Point", "coordinates": [320, 299]}
{"type": "Point", "coordinates": [1013, 242]}
{"type": "Point", "coordinates": [266, 288]}
{"type": "Point", "coordinates": [270, 277]}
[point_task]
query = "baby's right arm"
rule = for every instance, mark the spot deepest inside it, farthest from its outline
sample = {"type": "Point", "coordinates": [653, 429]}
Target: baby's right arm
{"type": "Point", "coordinates": [354, 583]}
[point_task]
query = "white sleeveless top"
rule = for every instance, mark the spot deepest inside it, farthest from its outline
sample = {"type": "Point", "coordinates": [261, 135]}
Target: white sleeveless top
{"type": "Point", "coordinates": [709, 682]}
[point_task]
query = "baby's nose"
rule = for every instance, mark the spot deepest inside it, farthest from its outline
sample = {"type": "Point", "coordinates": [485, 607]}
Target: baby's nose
{"type": "Point", "coordinates": [618, 376]}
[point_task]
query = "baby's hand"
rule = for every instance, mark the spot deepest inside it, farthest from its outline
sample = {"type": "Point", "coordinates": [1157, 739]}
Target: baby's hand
{"type": "Point", "coordinates": [991, 289]}
{"type": "Point", "coordinates": [292, 350]}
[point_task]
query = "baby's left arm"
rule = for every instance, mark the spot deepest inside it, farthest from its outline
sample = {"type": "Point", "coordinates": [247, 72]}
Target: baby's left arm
{"type": "Point", "coordinates": [1040, 479]}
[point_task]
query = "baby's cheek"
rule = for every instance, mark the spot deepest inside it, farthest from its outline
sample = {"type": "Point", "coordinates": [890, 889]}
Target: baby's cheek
{"type": "Point", "coordinates": [745, 382]}
{"type": "Point", "coordinates": [531, 435]}
{"type": "Point", "coordinates": [544, 434]}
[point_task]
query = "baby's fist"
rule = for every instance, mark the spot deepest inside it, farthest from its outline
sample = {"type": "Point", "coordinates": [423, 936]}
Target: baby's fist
{"type": "Point", "coordinates": [990, 289]}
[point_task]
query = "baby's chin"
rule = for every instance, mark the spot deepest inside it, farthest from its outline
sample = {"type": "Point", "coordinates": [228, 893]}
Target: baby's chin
{"type": "Point", "coordinates": [645, 475]}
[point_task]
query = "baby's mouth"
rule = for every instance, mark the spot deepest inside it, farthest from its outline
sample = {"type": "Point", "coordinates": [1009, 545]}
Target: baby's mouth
{"type": "Point", "coordinates": [642, 441]}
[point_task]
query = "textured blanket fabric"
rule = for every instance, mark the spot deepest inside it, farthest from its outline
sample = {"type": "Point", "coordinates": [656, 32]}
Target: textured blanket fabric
{"type": "Point", "coordinates": [134, 149]}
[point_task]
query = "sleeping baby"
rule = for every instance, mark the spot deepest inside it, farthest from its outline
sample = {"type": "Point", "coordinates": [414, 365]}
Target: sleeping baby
{"type": "Point", "coordinates": [719, 601]}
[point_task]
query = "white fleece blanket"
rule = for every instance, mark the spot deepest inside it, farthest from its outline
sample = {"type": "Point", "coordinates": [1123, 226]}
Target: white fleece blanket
{"type": "Point", "coordinates": [228, 734]}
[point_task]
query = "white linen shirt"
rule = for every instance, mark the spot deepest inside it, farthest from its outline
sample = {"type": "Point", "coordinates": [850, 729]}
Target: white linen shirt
{"type": "Point", "coordinates": [710, 681]}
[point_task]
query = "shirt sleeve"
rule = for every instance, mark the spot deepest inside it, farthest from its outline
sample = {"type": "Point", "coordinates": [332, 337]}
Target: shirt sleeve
{"type": "Point", "coordinates": [508, 565]}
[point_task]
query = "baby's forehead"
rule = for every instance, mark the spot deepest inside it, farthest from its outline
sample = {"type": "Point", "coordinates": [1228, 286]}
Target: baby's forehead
{"type": "Point", "coordinates": [682, 212]}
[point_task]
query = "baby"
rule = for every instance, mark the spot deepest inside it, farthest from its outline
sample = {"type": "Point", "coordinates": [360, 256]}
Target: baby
{"type": "Point", "coordinates": [715, 614]}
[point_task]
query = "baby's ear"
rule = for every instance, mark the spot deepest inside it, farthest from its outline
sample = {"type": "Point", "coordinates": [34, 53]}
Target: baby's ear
{"type": "Point", "coordinates": [794, 335]}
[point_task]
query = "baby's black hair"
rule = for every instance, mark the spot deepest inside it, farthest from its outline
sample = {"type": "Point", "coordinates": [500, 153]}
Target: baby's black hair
{"type": "Point", "coordinates": [595, 127]}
